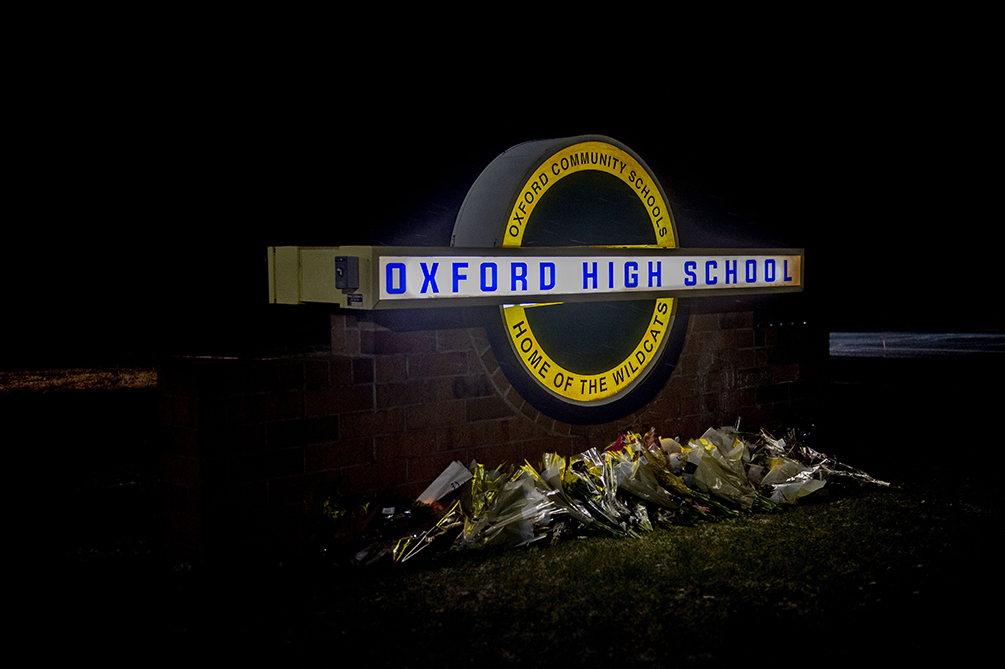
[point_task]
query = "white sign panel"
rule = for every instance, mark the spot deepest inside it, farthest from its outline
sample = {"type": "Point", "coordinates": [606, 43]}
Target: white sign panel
{"type": "Point", "coordinates": [516, 277]}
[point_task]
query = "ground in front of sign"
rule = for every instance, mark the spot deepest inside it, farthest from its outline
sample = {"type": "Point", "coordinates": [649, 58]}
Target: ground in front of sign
{"type": "Point", "coordinates": [859, 576]}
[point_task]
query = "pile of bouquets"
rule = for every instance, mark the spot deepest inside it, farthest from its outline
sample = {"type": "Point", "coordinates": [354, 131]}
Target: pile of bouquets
{"type": "Point", "coordinates": [637, 483]}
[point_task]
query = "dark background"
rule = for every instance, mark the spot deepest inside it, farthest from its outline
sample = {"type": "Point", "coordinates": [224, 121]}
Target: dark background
{"type": "Point", "coordinates": [155, 184]}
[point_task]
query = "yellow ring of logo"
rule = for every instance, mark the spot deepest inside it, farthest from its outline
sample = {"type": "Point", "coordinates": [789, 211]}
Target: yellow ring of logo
{"type": "Point", "coordinates": [605, 386]}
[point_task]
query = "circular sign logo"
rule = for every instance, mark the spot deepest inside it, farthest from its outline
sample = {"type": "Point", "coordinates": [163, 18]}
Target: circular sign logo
{"type": "Point", "coordinates": [586, 362]}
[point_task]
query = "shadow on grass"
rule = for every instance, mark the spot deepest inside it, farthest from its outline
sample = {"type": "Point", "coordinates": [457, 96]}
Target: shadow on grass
{"type": "Point", "coordinates": [861, 577]}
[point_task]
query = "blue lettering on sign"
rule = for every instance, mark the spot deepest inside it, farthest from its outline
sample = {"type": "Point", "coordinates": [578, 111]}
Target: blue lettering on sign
{"type": "Point", "coordinates": [487, 286]}
{"type": "Point", "coordinates": [769, 270]}
{"type": "Point", "coordinates": [587, 275]}
{"type": "Point", "coordinates": [655, 274]}
{"type": "Point", "coordinates": [547, 275]}
{"type": "Point", "coordinates": [429, 277]}
{"type": "Point", "coordinates": [458, 277]}
{"type": "Point", "coordinates": [751, 273]}
{"type": "Point", "coordinates": [690, 278]}
{"type": "Point", "coordinates": [709, 279]}
{"type": "Point", "coordinates": [395, 288]}
{"type": "Point", "coordinates": [730, 271]}
{"type": "Point", "coordinates": [631, 274]}
{"type": "Point", "coordinates": [518, 272]}
{"type": "Point", "coordinates": [785, 270]}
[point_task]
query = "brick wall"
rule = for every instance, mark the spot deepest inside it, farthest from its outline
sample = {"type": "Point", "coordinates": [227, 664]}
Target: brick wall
{"type": "Point", "coordinates": [250, 443]}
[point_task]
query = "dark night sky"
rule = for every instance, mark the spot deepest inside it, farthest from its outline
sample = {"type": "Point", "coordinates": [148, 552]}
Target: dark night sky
{"type": "Point", "coordinates": [160, 198]}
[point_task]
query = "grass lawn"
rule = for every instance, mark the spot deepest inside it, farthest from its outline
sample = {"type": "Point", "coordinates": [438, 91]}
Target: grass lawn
{"type": "Point", "coordinates": [885, 574]}
{"type": "Point", "coordinates": [870, 577]}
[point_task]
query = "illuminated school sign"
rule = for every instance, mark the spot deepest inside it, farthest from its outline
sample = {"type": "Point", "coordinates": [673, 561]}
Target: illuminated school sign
{"type": "Point", "coordinates": [569, 249]}
{"type": "Point", "coordinates": [593, 272]}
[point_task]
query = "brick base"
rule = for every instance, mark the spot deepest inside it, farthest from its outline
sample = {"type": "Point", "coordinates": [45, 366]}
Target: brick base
{"type": "Point", "coordinates": [249, 444]}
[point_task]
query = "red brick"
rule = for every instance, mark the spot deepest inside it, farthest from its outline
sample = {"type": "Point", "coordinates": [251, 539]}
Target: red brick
{"type": "Point", "coordinates": [533, 451]}
{"type": "Point", "coordinates": [467, 435]}
{"type": "Point", "coordinates": [514, 398]}
{"type": "Point", "coordinates": [489, 361]}
{"type": "Point", "coordinates": [315, 374]}
{"type": "Point", "coordinates": [689, 405]}
{"type": "Point", "coordinates": [410, 490]}
{"type": "Point", "coordinates": [371, 423]}
{"type": "Point", "coordinates": [746, 398]}
{"type": "Point", "coordinates": [446, 388]}
{"type": "Point", "coordinates": [362, 370]}
{"type": "Point", "coordinates": [487, 408]}
{"type": "Point", "coordinates": [737, 319]}
{"type": "Point", "coordinates": [710, 403]}
{"type": "Point", "coordinates": [753, 378]}
{"type": "Point", "coordinates": [282, 405]}
{"type": "Point", "coordinates": [391, 368]}
{"type": "Point", "coordinates": [692, 427]}
{"type": "Point", "coordinates": [739, 357]}
{"type": "Point", "coordinates": [405, 445]}
{"type": "Point", "coordinates": [338, 400]}
{"type": "Point", "coordinates": [435, 414]}
{"type": "Point", "coordinates": [682, 384]}
{"type": "Point", "coordinates": [427, 468]}
{"type": "Point", "coordinates": [338, 337]}
{"type": "Point", "coordinates": [405, 393]}
{"type": "Point", "coordinates": [425, 365]}
{"type": "Point", "coordinates": [290, 374]}
{"type": "Point", "coordinates": [740, 339]}
{"type": "Point", "coordinates": [499, 380]}
{"type": "Point", "coordinates": [366, 345]}
{"type": "Point", "coordinates": [704, 322]}
{"type": "Point", "coordinates": [389, 342]}
{"type": "Point", "coordinates": [502, 454]}
{"type": "Point", "coordinates": [452, 340]}
{"type": "Point", "coordinates": [529, 411]}
{"type": "Point", "coordinates": [547, 423]}
{"type": "Point", "coordinates": [479, 340]}
{"type": "Point", "coordinates": [517, 429]}
{"type": "Point", "coordinates": [323, 373]}
{"type": "Point", "coordinates": [340, 371]}
{"type": "Point", "coordinates": [351, 342]}
{"type": "Point", "coordinates": [337, 454]}
{"type": "Point", "coordinates": [710, 383]}
{"type": "Point", "coordinates": [475, 385]}
{"type": "Point", "coordinates": [377, 476]}
{"type": "Point", "coordinates": [562, 429]}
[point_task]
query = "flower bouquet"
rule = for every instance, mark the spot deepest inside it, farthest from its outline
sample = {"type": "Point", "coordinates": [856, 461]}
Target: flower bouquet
{"type": "Point", "coordinates": [636, 482]}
